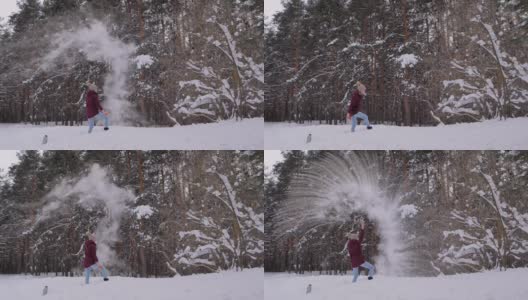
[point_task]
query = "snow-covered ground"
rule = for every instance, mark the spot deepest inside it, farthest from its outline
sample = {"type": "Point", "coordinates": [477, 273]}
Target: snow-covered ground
{"type": "Point", "coordinates": [226, 135]}
{"type": "Point", "coordinates": [493, 285]}
{"type": "Point", "coordinates": [511, 134]}
{"type": "Point", "coordinates": [246, 285]}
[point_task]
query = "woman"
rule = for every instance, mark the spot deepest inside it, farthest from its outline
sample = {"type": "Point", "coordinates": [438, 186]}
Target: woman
{"type": "Point", "coordinates": [356, 257]}
{"type": "Point", "coordinates": [91, 263]}
{"type": "Point", "coordinates": [355, 106]}
{"type": "Point", "coordinates": [94, 110]}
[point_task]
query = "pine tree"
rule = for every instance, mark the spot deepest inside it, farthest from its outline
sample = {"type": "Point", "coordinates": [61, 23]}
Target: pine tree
{"type": "Point", "coordinates": [29, 14]}
{"type": "Point", "coordinates": [57, 7]}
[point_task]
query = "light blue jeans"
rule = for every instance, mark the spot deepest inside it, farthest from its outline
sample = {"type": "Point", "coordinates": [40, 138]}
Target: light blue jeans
{"type": "Point", "coordinates": [366, 265]}
{"type": "Point", "coordinates": [88, 271]}
{"type": "Point", "coordinates": [92, 120]}
{"type": "Point", "coordinates": [361, 116]}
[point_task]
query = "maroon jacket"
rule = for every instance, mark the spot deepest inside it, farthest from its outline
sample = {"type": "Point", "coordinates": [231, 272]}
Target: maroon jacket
{"type": "Point", "coordinates": [354, 249]}
{"type": "Point", "coordinates": [355, 103]}
{"type": "Point", "coordinates": [93, 107]}
{"type": "Point", "coordinates": [90, 257]}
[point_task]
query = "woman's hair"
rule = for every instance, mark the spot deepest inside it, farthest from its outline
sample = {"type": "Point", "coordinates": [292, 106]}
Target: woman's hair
{"type": "Point", "coordinates": [91, 86]}
{"type": "Point", "coordinates": [352, 234]}
{"type": "Point", "coordinates": [361, 87]}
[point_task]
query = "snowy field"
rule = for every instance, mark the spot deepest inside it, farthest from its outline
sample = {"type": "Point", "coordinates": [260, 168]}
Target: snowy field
{"type": "Point", "coordinates": [226, 135]}
{"type": "Point", "coordinates": [493, 285]}
{"type": "Point", "coordinates": [246, 285]}
{"type": "Point", "coordinates": [511, 134]}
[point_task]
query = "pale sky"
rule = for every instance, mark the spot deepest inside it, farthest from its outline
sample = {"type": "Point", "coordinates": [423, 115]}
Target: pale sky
{"type": "Point", "coordinates": [7, 7]}
{"type": "Point", "coordinates": [270, 7]}
{"type": "Point", "coordinates": [7, 158]}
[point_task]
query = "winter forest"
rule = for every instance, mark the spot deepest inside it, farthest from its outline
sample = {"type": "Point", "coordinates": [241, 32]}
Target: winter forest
{"type": "Point", "coordinates": [423, 62]}
{"type": "Point", "coordinates": [154, 213]}
{"type": "Point", "coordinates": [427, 212]}
{"type": "Point", "coordinates": [158, 62]}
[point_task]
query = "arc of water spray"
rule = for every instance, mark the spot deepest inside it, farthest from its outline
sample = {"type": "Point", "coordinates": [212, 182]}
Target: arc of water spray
{"type": "Point", "coordinates": [329, 190]}
{"type": "Point", "coordinates": [93, 189]}
{"type": "Point", "coordinates": [97, 44]}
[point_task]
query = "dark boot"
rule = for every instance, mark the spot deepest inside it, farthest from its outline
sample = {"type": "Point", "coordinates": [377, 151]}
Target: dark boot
{"type": "Point", "coordinates": [370, 278]}
{"type": "Point", "coordinates": [106, 128]}
{"type": "Point", "coordinates": [106, 279]}
{"type": "Point", "coordinates": [369, 127]}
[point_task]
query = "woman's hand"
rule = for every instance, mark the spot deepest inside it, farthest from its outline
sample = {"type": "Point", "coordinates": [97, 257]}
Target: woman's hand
{"type": "Point", "coordinates": [348, 116]}
{"type": "Point", "coordinates": [362, 222]}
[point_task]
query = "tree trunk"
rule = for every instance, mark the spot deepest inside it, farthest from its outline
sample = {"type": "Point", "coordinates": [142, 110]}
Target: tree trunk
{"type": "Point", "coordinates": [139, 9]}
{"type": "Point", "coordinates": [406, 104]}
{"type": "Point", "coordinates": [140, 172]}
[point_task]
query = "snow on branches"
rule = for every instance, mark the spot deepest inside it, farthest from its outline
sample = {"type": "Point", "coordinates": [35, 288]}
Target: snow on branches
{"type": "Point", "coordinates": [494, 235]}
{"type": "Point", "coordinates": [231, 235]}
{"type": "Point", "coordinates": [493, 84]}
{"type": "Point", "coordinates": [231, 87]}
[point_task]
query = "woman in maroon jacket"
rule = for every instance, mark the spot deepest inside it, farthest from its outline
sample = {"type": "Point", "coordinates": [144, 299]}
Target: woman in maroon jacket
{"type": "Point", "coordinates": [355, 106]}
{"type": "Point", "coordinates": [356, 257]}
{"type": "Point", "coordinates": [91, 263]}
{"type": "Point", "coordinates": [94, 110]}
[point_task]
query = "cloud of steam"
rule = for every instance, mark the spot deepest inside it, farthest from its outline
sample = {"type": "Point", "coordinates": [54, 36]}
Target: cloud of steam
{"type": "Point", "coordinates": [330, 190]}
{"type": "Point", "coordinates": [96, 43]}
{"type": "Point", "coordinates": [94, 189]}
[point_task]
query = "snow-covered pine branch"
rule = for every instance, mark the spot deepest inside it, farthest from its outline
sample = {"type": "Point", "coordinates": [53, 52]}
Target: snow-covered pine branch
{"type": "Point", "coordinates": [494, 87]}
{"type": "Point", "coordinates": [229, 88]}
